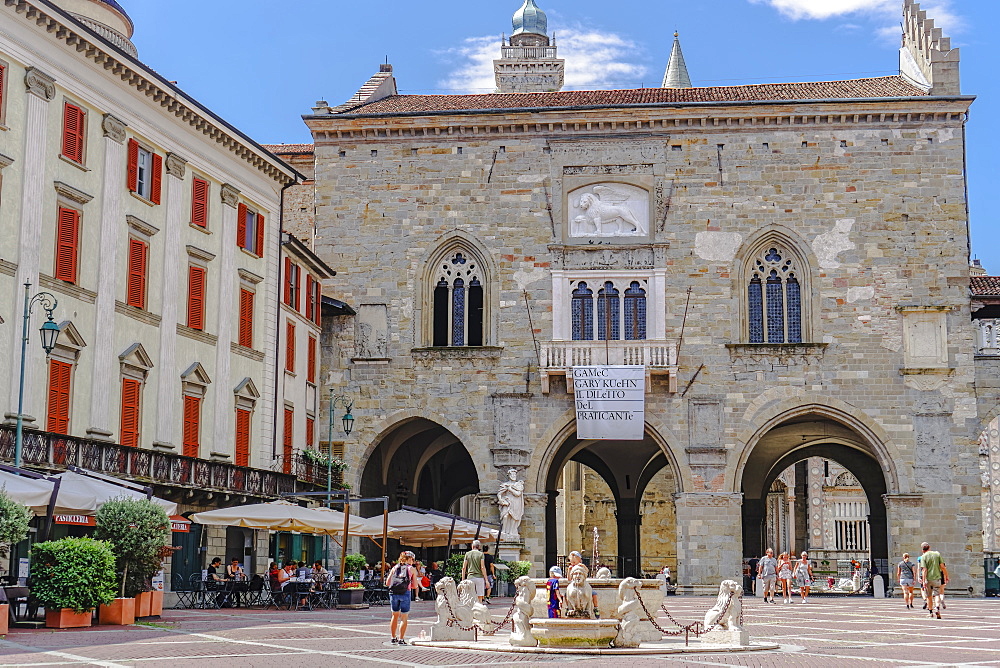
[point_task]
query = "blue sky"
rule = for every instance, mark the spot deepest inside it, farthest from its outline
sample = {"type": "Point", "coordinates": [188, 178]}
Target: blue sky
{"type": "Point", "coordinates": [261, 65]}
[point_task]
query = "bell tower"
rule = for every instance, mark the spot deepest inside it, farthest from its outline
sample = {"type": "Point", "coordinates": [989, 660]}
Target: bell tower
{"type": "Point", "coordinates": [528, 62]}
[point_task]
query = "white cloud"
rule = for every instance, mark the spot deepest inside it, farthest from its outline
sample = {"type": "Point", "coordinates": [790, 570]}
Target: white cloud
{"type": "Point", "coordinates": [824, 9]}
{"type": "Point", "coordinates": [594, 59]}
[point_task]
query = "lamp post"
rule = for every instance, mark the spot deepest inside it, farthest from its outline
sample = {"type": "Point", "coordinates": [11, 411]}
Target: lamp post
{"type": "Point", "coordinates": [50, 334]}
{"type": "Point", "coordinates": [348, 425]}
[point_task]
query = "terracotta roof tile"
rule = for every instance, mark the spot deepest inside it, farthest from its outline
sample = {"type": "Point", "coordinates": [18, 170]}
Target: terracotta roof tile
{"type": "Point", "coordinates": [891, 86]}
{"type": "Point", "coordinates": [289, 149]}
{"type": "Point", "coordinates": [985, 285]}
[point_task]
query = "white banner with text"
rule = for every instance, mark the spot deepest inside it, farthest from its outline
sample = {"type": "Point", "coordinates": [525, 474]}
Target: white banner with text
{"type": "Point", "coordinates": [610, 402]}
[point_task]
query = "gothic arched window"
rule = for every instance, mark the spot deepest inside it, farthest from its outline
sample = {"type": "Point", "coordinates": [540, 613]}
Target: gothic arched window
{"type": "Point", "coordinates": [635, 312]}
{"type": "Point", "coordinates": [583, 312]}
{"type": "Point", "coordinates": [774, 297]}
{"type": "Point", "coordinates": [608, 314]}
{"type": "Point", "coordinates": [458, 303]}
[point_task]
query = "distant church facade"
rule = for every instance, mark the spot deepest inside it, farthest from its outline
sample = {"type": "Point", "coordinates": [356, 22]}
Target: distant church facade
{"type": "Point", "coordinates": [789, 263]}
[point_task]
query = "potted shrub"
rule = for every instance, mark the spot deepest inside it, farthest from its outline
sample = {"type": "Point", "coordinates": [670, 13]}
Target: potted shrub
{"type": "Point", "coordinates": [351, 593]}
{"type": "Point", "coordinates": [71, 577]}
{"type": "Point", "coordinates": [137, 530]}
{"type": "Point", "coordinates": [14, 520]}
{"type": "Point", "coordinates": [353, 564]}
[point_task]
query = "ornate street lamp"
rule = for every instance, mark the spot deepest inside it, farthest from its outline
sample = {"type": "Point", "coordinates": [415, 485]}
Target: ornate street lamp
{"type": "Point", "coordinates": [348, 425]}
{"type": "Point", "coordinates": [50, 334]}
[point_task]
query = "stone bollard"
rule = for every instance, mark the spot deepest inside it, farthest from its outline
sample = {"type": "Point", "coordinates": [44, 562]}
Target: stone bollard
{"type": "Point", "coordinates": [878, 586]}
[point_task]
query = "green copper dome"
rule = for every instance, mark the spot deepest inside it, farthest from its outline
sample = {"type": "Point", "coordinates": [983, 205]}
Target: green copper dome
{"type": "Point", "coordinates": [530, 19]}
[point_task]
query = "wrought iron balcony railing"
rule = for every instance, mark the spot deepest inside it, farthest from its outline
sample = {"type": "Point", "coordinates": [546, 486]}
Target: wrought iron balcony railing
{"type": "Point", "coordinates": [313, 472]}
{"type": "Point", "coordinates": [55, 452]}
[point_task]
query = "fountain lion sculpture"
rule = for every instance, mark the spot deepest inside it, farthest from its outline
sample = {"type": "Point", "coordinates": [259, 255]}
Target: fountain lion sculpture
{"type": "Point", "coordinates": [447, 593]}
{"type": "Point", "coordinates": [480, 613]}
{"type": "Point", "coordinates": [521, 636]}
{"type": "Point", "coordinates": [726, 616]}
{"type": "Point", "coordinates": [630, 613]}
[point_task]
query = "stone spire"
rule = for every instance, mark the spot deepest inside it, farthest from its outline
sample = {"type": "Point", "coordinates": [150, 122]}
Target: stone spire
{"type": "Point", "coordinates": [529, 62]}
{"type": "Point", "coordinates": [676, 75]}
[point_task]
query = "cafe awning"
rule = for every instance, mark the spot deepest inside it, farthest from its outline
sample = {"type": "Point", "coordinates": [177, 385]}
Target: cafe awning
{"type": "Point", "coordinates": [84, 495]}
{"type": "Point", "coordinates": [285, 516]}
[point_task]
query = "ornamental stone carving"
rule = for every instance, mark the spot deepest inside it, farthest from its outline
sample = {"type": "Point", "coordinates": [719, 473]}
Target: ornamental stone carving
{"type": "Point", "coordinates": [646, 256]}
{"type": "Point", "coordinates": [114, 128]}
{"type": "Point", "coordinates": [608, 210]}
{"type": "Point", "coordinates": [230, 195]}
{"type": "Point", "coordinates": [40, 84]}
{"type": "Point", "coordinates": [176, 165]}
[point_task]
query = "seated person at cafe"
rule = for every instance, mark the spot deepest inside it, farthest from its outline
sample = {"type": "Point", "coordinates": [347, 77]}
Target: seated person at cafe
{"type": "Point", "coordinates": [215, 581]}
{"type": "Point", "coordinates": [302, 571]}
{"type": "Point", "coordinates": [234, 571]}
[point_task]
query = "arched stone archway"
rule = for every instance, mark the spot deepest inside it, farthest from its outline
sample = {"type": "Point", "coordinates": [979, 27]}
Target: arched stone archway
{"type": "Point", "coordinates": [627, 469]}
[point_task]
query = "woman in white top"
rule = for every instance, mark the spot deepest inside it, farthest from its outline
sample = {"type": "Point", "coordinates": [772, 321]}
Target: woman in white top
{"type": "Point", "coordinates": [785, 576]}
{"type": "Point", "coordinates": [803, 576]}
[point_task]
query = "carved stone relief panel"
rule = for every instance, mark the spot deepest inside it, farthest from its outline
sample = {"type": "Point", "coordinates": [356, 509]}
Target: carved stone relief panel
{"type": "Point", "coordinates": [609, 257]}
{"type": "Point", "coordinates": [925, 337]}
{"type": "Point", "coordinates": [371, 332]}
{"type": "Point", "coordinates": [608, 209]}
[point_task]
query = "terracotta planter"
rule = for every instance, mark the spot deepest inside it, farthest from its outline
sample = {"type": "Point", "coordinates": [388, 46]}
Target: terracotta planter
{"type": "Point", "coordinates": [143, 603]}
{"type": "Point", "coordinates": [67, 618]}
{"type": "Point", "coordinates": [120, 612]}
{"type": "Point", "coordinates": [4, 618]}
{"type": "Point", "coordinates": [156, 603]}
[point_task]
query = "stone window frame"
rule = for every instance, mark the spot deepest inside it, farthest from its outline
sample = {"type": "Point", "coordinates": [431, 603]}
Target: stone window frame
{"type": "Point", "coordinates": [653, 281]}
{"type": "Point", "coordinates": [85, 139]}
{"type": "Point", "coordinates": [475, 251]}
{"type": "Point", "coordinates": [4, 87]}
{"type": "Point", "coordinates": [805, 263]}
{"type": "Point", "coordinates": [136, 364]}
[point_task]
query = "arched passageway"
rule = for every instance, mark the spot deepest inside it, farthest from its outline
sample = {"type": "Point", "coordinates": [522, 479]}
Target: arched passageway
{"type": "Point", "coordinates": [832, 485]}
{"type": "Point", "coordinates": [625, 489]}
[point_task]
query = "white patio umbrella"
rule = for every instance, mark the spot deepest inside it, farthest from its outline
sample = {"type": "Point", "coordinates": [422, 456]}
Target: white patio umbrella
{"type": "Point", "coordinates": [424, 530]}
{"type": "Point", "coordinates": [84, 495]}
{"type": "Point", "coordinates": [285, 516]}
{"type": "Point", "coordinates": [33, 493]}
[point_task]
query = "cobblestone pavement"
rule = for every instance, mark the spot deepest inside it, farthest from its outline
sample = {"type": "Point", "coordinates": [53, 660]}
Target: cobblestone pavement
{"type": "Point", "coordinates": [824, 632]}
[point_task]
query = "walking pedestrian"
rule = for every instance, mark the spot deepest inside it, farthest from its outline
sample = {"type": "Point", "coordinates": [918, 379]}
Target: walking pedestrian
{"type": "Point", "coordinates": [491, 581]}
{"type": "Point", "coordinates": [400, 581]}
{"type": "Point", "coordinates": [555, 596]}
{"type": "Point", "coordinates": [474, 568]}
{"type": "Point", "coordinates": [752, 573]}
{"type": "Point", "coordinates": [767, 572]}
{"type": "Point", "coordinates": [905, 577]}
{"type": "Point", "coordinates": [803, 576]}
{"type": "Point", "coordinates": [785, 576]}
{"type": "Point", "coordinates": [935, 576]}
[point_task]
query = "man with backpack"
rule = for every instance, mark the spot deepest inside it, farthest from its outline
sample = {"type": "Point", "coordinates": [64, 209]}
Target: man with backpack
{"type": "Point", "coordinates": [400, 579]}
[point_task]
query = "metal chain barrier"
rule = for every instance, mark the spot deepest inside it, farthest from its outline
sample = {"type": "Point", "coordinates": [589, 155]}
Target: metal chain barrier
{"type": "Point", "coordinates": [685, 629]}
{"type": "Point", "coordinates": [454, 621]}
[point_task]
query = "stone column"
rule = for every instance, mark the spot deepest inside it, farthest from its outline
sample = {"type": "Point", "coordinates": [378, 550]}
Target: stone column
{"type": "Point", "coordinates": [172, 299]}
{"type": "Point", "coordinates": [708, 539]}
{"type": "Point", "coordinates": [533, 527]}
{"type": "Point", "coordinates": [225, 315]}
{"type": "Point", "coordinates": [41, 90]}
{"type": "Point", "coordinates": [112, 217]}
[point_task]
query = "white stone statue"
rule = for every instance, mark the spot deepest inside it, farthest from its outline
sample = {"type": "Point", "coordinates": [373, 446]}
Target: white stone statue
{"type": "Point", "coordinates": [604, 573]}
{"type": "Point", "coordinates": [511, 500]}
{"type": "Point", "coordinates": [630, 613]}
{"type": "Point", "coordinates": [447, 593]}
{"type": "Point", "coordinates": [606, 213]}
{"type": "Point", "coordinates": [725, 614]}
{"type": "Point", "coordinates": [480, 613]}
{"type": "Point", "coordinates": [521, 636]}
{"type": "Point", "coordinates": [579, 599]}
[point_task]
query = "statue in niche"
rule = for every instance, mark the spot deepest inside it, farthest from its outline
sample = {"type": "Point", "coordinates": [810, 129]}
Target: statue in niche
{"type": "Point", "coordinates": [510, 498]}
{"type": "Point", "coordinates": [605, 212]}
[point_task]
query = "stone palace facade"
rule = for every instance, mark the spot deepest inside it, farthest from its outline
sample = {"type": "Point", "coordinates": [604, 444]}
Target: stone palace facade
{"type": "Point", "coordinates": [789, 262]}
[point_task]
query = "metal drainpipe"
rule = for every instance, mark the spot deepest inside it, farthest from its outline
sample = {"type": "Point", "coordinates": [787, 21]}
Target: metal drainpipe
{"type": "Point", "coordinates": [277, 318]}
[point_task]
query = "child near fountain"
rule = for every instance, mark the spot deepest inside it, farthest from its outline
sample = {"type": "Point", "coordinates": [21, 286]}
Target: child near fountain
{"type": "Point", "coordinates": [552, 586]}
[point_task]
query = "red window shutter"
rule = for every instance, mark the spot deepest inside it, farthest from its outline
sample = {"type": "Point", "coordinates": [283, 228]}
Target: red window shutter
{"type": "Point", "coordinates": [59, 386]}
{"type": "Point", "coordinates": [241, 225]}
{"type": "Point", "coordinates": [246, 319]}
{"type": "Point", "coordinates": [156, 186]}
{"type": "Point", "coordinates": [310, 432]}
{"type": "Point", "coordinates": [137, 255]}
{"type": "Point", "coordinates": [288, 282]}
{"type": "Point", "coordinates": [196, 297]}
{"type": "Point", "coordinates": [290, 347]}
{"type": "Point", "coordinates": [309, 297]}
{"type": "Point", "coordinates": [73, 126]}
{"type": "Point", "coordinates": [67, 236]}
{"type": "Point", "coordinates": [286, 439]}
{"type": "Point", "coordinates": [259, 251]}
{"type": "Point", "coordinates": [318, 303]}
{"type": "Point", "coordinates": [297, 288]}
{"type": "Point", "coordinates": [3, 86]}
{"type": "Point", "coordinates": [130, 412]}
{"type": "Point", "coordinates": [199, 202]}
{"type": "Point", "coordinates": [242, 437]}
{"type": "Point", "coordinates": [192, 425]}
{"type": "Point", "coordinates": [311, 361]}
{"type": "Point", "coordinates": [133, 165]}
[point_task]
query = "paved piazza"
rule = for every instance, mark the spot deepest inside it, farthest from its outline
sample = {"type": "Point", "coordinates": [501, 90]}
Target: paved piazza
{"type": "Point", "coordinates": [825, 632]}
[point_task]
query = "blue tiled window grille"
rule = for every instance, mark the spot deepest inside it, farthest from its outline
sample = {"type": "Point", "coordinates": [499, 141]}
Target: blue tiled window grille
{"type": "Point", "coordinates": [458, 313]}
{"type": "Point", "coordinates": [583, 313]}
{"type": "Point", "coordinates": [608, 313]}
{"type": "Point", "coordinates": [755, 300]}
{"type": "Point", "coordinates": [635, 312]}
{"type": "Point", "coordinates": [794, 304]}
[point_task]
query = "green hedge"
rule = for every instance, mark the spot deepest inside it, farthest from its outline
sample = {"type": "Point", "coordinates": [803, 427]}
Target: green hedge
{"type": "Point", "coordinates": [77, 573]}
